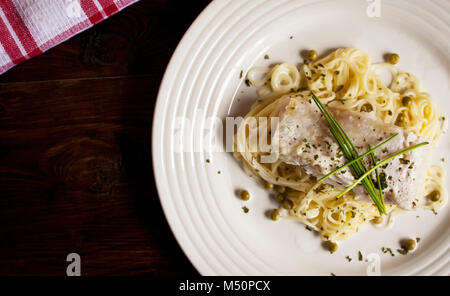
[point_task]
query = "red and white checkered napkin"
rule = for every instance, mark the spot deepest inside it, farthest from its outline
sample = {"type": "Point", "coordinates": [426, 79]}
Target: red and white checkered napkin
{"type": "Point", "coordinates": [30, 27]}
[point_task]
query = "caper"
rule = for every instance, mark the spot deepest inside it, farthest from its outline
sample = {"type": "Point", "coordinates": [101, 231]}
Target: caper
{"type": "Point", "coordinates": [281, 189]}
{"type": "Point", "coordinates": [367, 108]}
{"type": "Point", "coordinates": [394, 58]}
{"type": "Point", "coordinates": [245, 195]}
{"type": "Point", "coordinates": [268, 186]}
{"type": "Point", "coordinates": [406, 100]}
{"type": "Point", "coordinates": [312, 55]}
{"type": "Point", "coordinates": [434, 196]}
{"type": "Point", "coordinates": [408, 244]}
{"type": "Point", "coordinates": [280, 198]}
{"type": "Point", "coordinates": [275, 215]}
{"type": "Point", "coordinates": [288, 204]}
{"type": "Point", "coordinates": [332, 247]}
{"type": "Point", "coordinates": [377, 220]}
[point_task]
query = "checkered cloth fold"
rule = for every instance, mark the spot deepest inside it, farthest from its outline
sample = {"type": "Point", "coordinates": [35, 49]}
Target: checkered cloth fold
{"type": "Point", "coordinates": [30, 27]}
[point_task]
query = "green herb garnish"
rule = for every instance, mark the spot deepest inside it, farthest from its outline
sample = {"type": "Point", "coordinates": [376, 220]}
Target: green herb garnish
{"type": "Point", "coordinates": [380, 190]}
{"type": "Point", "coordinates": [387, 250]}
{"type": "Point", "coordinates": [379, 164]}
{"type": "Point", "coordinates": [355, 160]}
{"type": "Point", "coordinates": [351, 154]}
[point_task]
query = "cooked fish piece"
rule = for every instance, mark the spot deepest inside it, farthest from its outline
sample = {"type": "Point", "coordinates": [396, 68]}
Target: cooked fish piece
{"type": "Point", "coordinates": [305, 140]}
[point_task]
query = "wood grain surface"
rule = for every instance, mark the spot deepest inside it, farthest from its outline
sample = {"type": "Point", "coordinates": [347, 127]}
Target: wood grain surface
{"type": "Point", "coordinates": [75, 150]}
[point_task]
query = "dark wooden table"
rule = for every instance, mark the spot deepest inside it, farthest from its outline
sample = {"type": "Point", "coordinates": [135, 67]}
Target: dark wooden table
{"type": "Point", "coordinates": [75, 150]}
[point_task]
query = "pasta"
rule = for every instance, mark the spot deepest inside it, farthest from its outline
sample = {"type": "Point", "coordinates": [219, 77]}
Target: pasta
{"type": "Point", "coordinates": [345, 79]}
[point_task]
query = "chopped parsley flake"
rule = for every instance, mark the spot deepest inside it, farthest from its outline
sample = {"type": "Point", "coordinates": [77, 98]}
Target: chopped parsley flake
{"type": "Point", "coordinates": [404, 161]}
{"type": "Point", "coordinates": [387, 250]}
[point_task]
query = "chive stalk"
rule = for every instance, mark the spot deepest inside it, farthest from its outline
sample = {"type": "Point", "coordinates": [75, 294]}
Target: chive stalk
{"type": "Point", "coordinates": [378, 176]}
{"type": "Point", "coordinates": [355, 160]}
{"type": "Point", "coordinates": [380, 164]}
{"type": "Point", "coordinates": [350, 153]}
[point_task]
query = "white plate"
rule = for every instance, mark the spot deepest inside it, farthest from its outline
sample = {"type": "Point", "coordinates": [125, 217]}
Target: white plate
{"type": "Point", "coordinates": [202, 81]}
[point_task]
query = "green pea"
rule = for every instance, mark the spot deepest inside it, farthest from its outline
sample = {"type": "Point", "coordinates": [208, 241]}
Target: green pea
{"type": "Point", "coordinates": [332, 247]}
{"type": "Point", "coordinates": [394, 58]}
{"type": "Point", "coordinates": [434, 196]}
{"type": "Point", "coordinates": [275, 215]}
{"type": "Point", "coordinates": [288, 204]}
{"type": "Point", "coordinates": [312, 55]}
{"type": "Point", "coordinates": [280, 198]}
{"type": "Point", "coordinates": [268, 186]}
{"type": "Point", "coordinates": [367, 108]}
{"type": "Point", "coordinates": [408, 244]}
{"type": "Point", "coordinates": [245, 195]}
{"type": "Point", "coordinates": [400, 119]}
{"type": "Point", "coordinates": [281, 189]}
{"type": "Point", "coordinates": [406, 100]}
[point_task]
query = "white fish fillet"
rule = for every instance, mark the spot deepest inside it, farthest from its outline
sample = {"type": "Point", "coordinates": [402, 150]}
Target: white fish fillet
{"type": "Point", "coordinates": [305, 140]}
